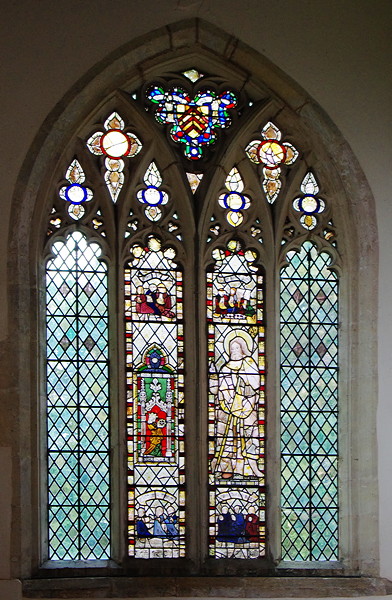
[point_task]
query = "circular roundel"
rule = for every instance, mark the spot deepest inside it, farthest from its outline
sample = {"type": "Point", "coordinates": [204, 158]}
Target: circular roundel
{"type": "Point", "coordinates": [76, 193]}
{"type": "Point", "coordinates": [271, 153]}
{"type": "Point", "coordinates": [152, 196]}
{"type": "Point", "coordinates": [115, 143]}
{"type": "Point", "coordinates": [193, 152]}
{"type": "Point", "coordinates": [309, 204]}
{"type": "Point", "coordinates": [234, 201]}
{"type": "Point", "coordinates": [154, 243]}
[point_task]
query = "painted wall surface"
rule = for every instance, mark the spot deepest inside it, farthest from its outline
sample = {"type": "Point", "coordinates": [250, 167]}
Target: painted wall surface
{"type": "Point", "coordinates": [340, 52]}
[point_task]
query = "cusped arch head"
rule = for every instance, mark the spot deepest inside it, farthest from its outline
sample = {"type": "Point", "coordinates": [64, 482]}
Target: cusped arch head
{"type": "Point", "coordinates": [321, 246]}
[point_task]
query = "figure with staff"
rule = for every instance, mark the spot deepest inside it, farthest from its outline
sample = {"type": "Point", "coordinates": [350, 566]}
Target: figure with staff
{"type": "Point", "coordinates": [237, 392]}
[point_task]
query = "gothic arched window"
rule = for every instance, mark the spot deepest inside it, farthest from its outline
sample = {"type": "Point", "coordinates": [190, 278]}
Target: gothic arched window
{"type": "Point", "coordinates": [192, 274]}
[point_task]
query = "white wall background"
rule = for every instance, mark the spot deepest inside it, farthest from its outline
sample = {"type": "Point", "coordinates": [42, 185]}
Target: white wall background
{"type": "Point", "coordinates": [340, 52]}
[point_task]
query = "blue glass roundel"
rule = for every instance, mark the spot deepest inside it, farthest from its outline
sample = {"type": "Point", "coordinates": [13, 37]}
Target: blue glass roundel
{"type": "Point", "coordinates": [309, 204]}
{"type": "Point", "coordinates": [234, 201]}
{"type": "Point", "coordinates": [152, 196]}
{"type": "Point", "coordinates": [76, 193]}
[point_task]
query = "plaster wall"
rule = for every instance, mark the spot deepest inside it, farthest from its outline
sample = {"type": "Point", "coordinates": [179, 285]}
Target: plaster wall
{"type": "Point", "coordinates": [339, 52]}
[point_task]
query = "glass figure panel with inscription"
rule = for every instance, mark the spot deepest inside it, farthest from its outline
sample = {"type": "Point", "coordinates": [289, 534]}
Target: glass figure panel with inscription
{"type": "Point", "coordinates": [155, 402]}
{"type": "Point", "coordinates": [236, 404]}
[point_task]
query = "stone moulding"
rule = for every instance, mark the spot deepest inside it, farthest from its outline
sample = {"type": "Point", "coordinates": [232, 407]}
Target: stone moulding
{"type": "Point", "coordinates": [207, 587]}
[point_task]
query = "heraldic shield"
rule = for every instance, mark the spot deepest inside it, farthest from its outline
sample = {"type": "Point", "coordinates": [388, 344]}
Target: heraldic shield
{"type": "Point", "coordinates": [194, 121]}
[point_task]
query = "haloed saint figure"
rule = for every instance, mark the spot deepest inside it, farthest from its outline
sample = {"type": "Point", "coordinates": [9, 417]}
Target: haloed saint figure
{"type": "Point", "coordinates": [236, 390]}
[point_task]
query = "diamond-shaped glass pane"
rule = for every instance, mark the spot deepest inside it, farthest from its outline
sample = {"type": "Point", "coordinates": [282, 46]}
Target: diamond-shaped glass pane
{"type": "Point", "coordinates": [295, 432]}
{"type": "Point", "coordinates": [95, 533]}
{"type": "Point", "coordinates": [63, 479]}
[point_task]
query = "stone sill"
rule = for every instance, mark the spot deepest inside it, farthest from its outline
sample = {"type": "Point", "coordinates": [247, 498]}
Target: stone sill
{"type": "Point", "coordinates": [207, 587]}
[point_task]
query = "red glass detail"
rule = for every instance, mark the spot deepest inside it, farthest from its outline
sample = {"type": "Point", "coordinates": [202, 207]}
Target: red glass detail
{"type": "Point", "coordinates": [193, 122]}
{"type": "Point", "coordinates": [105, 151]}
{"type": "Point", "coordinates": [267, 144]}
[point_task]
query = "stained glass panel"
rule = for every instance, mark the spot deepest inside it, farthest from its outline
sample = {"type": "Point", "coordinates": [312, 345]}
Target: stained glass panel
{"type": "Point", "coordinates": [194, 180]}
{"type": "Point", "coordinates": [309, 204]}
{"type": "Point", "coordinates": [236, 405]}
{"type": "Point", "coordinates": [309, 407]}
{"type": "Point", "coordinates": [271, 153]}
{"type": "Point", "coordinates": [75, 193]}
{"type": "Point", "coordinates": [193, 121]}
{"type": "Point", "coordinates": [155, 402]}
{"type": "Point", "coordinates": [115, 144]}
{"type": "Point", "coordinates": [233, 201]}
{"type": "Point", "coordinates": [152, 196]}
{"type": "Point", "coordinates": [77, 401]}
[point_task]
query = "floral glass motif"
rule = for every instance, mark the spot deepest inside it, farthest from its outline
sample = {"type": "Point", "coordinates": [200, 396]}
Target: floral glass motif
{"type": "Point", "coordinates": [75, 193]}
{"type": "Point", "coordinates": [233, 200]}
{"type": "Point", "coordinates": [193, 121]}
{"type": "Point", "coordinates": [115, 144]}
{"type": "Point", "coordinates": [236, 404]}
{"type": "Point", "coordinates": [155, 402]}
{"type": "Point", "coordinates": [309, 407]}
{"type": "Point", "coordinates": [152, 195]}
{"type": "Point", "coordinates": [309, 203]}
{"type": "Point", "coordinates": [77, 401]}
{"type": "Point", "coordinates": [271, 153]}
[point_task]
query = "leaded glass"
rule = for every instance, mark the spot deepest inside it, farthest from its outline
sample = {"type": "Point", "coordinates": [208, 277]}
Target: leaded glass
{"type": "Point", "coordinates": [233, 200]}
{"type": "Point", "coordinates": [155, 212]}
{"type": "Point", "coordinates": [75, 193]}
{"type": "Point", "coordinates": [193, 75]}
{"type": "Point", "coordinates": [193, 120]}
{"type": "Point", "coordinates": [271, 153]}
{"type": "Point", "coordinates": [194, 180]}
{"type": "Point", "coordinates": [309, 203]}
{"type": "Point", "coordinates": [151, 195]}
{"type": "Point", "coordinates": [309, 406]}
{"type": "Point", "coordinates": [236, 404]}
{"type": "Point", "coordinates": [155, 402]}
{"type": "Point", "coordinates": [115, 144]}
{"type": "Point", "coordinates": [77, 401]}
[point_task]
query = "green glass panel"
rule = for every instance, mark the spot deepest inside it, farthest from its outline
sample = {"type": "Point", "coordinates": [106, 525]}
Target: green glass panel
{"type": "Point", "coordinates": [77, 401]}
{"type": "Point", "coordinates": [309, 419]}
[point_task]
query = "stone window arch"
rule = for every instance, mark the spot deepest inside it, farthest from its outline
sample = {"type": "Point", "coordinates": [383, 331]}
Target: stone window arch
{"type": "Point", "coordinates": [202, 224]}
